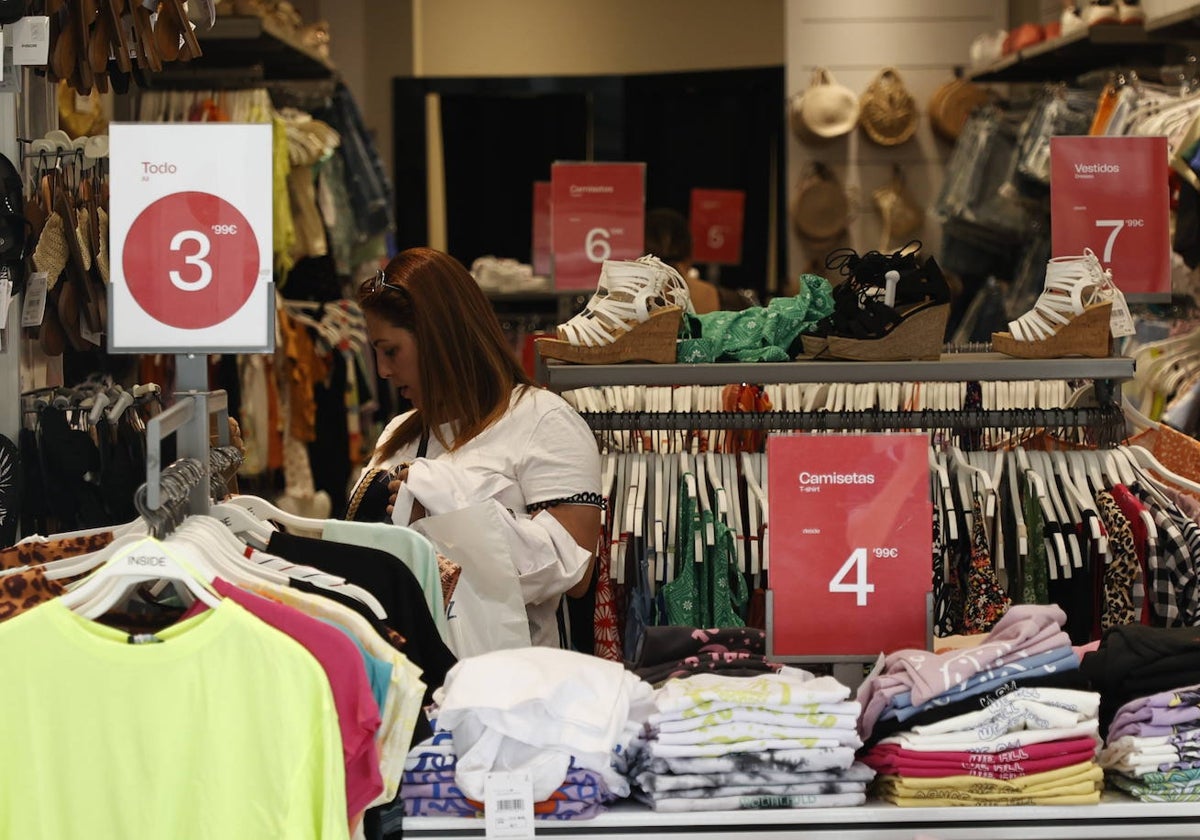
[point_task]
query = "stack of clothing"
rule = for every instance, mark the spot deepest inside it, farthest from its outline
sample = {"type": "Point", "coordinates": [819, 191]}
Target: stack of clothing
{"type": "Point", "coordinates": [1153, 746]}
{"type": "Point", "coordinates": [671, 652]}
{"type": "Point", "coordinates": [1001, 723]}
{"type": "Point", "coordinates": [428, 788]}
{"type": "Point", "coordinates": [780, 740]}
{"type": "Point", "coordinates": [565, 718]}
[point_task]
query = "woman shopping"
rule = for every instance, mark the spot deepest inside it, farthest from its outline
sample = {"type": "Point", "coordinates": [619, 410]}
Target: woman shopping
{"type": "Point", "coordinates": [481, 435]}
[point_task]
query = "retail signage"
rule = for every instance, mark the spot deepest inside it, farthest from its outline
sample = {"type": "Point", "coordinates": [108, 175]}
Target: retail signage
{"type": "Point", "coordinates": [851, 543]}
{"type": "Point", "coordinates": [1110, 194]}
{"type": "Point", "coordinates": [541, 229]}
{"type": "Point", "coordinates": [597, 213]}
{"type": "Point", "coordinates": [717, 219]}
{"type": "Point", "coordinates": [191, 238]}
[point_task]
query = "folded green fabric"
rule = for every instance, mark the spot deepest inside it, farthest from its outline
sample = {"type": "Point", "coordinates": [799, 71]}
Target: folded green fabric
{"type": "Point", "coordinates": [760, 333]}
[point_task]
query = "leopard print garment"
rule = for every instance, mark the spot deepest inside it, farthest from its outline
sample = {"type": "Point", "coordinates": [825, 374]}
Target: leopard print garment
{"type": "Point", "coordinates": [23, 590]}
{"type": "Point", "coordinates": [39, 552]}
{"type": "Point", "coordinates": [1122, 571]}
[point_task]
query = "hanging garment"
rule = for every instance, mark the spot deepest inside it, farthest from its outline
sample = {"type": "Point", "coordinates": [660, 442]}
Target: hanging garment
{"type": "Point", "coordinates": [1035, 573]}
{"type": "Point", "coordinates": [1121, 573]}
{"type": "Point", "coordinates": [984, 601]}
{"type": "Point", "coordinates": [607, 642]}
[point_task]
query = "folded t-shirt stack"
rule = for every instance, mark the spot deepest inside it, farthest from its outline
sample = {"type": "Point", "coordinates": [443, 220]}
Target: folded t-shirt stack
{"type": "Point", "coordinates": [668, 652]}
{"type": "Point", "coordinates": [1032, 746]}
{"type": "Point", "coordinates": [543, 711]}
{"type": "Point", "coordinates": [1153, 746]}
{"type": "Point", "coordinates": [428, 788]}
{"type": "Point", "coordinates": [780, 740]}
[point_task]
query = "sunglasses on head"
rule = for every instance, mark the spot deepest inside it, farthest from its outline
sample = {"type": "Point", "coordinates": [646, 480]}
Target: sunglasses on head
{"type": "Point", "coordinates": [380, 281]}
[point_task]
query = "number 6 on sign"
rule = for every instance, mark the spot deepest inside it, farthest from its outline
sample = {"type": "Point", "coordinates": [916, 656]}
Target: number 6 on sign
{"type": "Point", "coordinates": [196, 259]}
{"type": "Point", "coordinates": [858, 562]}
{"type": "Point", "coordinates": [597, 245]}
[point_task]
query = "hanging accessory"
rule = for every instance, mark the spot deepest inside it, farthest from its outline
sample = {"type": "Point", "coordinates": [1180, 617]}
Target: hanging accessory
{"type": "Point", "coordinates": [634, 315]}
{"type": "Point", "coordinates": [1071, 317]}
{"type": "Point", "coordinates": [888, 112]}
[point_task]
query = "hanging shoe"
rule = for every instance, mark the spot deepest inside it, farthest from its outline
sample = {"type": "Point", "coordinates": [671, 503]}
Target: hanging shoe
{"type": "Point", "coordinates": [1101, 12]}
{"type": "Point", "coordinates": [908, 322]}
{"type": "Point", "coordinates": [1130, 12]}
{"type": "Point", "coordinates": [1070, 318]}
{"type": "Point", "coordinates": [634, 315]}
{"type": "Point", "coordinates": [865, 275]}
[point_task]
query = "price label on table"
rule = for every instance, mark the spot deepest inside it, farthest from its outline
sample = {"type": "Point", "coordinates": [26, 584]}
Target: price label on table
{"type": "Point", "coordinates": [717, 219]}
{"type": "Point", "coordinates": [542, 265]}
{"type": "Point", "coordinates": [191, 238]}
{"type": "Point", "coordinates": [851, 543]}
{"type": "Point", "coordinates": [1110, 194]}
{"type": "Point", "coordinates": [597, 213]}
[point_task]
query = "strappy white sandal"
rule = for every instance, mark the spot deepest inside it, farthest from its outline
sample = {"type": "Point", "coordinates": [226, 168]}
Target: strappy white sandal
{"type": "Point", "coordinates": [633, 316]}
{"type": "Point", "coordinates": [1070, 318]}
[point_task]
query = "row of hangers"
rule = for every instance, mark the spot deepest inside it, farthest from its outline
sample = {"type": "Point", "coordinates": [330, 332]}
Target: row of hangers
{"type": "Point", "coordinates": [338, 323]}
{"type": "Point", "coordinates": [1161, 368]}
{"type": "Point", "coordinates": [92, 401]}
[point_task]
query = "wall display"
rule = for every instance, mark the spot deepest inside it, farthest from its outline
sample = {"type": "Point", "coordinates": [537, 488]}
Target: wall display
{"type": "Point", "coordinates": [717, 218]}
{"type": "Point", "coordinates": [851, 542]}
{"type": "Point", "coordinates": [191, 239]}
{"type": "Point", "coordinates": [1110, 194]}
{"type": "Point", "coordinates": [598, 213]}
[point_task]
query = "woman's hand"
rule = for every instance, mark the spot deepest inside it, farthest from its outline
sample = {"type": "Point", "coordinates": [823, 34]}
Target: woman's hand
{"type": "Point", "coordinates": [399, 477]}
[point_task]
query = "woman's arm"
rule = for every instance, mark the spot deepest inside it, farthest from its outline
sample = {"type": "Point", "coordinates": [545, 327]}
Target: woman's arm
{"type": "Point", "coordinates": [582, 522]}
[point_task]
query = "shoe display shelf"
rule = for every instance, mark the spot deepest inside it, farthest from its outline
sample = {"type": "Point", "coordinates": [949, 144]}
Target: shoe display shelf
{"type": "Point", "coordinates": [1182, 24]}
{"type": "Point", "coordinates": [1116, 816]}
{"type": "Point", "coordinates": [252, 42]}
{"type": "Point", "coordinates": [1093, 48]}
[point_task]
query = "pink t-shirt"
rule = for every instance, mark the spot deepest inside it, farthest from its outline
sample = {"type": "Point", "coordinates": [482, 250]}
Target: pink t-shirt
{"type": "Point", "coordinates": [357, 711]}
{"type": "Point", "coordinates": [1011, 764]}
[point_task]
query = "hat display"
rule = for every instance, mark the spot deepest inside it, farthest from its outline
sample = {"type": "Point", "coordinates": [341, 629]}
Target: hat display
{"type": "Point", "coordinates": [902, 215]}
{"type": "Point", "coordinates": [820, 210]}
{"type": "Point", "coordinates": [888, 113]}
{"type": "Point", "coordinates": [951, 105]}
{"type": "Point", "coordinates": [827, 109]}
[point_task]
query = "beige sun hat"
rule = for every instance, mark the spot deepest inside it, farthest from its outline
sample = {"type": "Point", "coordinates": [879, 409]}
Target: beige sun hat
{"type": "Point", "coordinates": [828, 109]}
{"type": "Point", "coordinates": [951, 105]}
{"type": "Point", "coordinates": [820, 209]}
{"type": "Point", "coordinates": [888, 112]}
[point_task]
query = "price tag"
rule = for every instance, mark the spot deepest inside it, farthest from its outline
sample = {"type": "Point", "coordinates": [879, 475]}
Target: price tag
{"type": "Point", "coordinates": [1110, 194]}
{"type": "Point", "coordinates": [30, 38]}
{"type": "Point", "coordinates": [508, 805]}
{"type": "Point", "coordinates": [542, 265]}
{"type": "Point", "coordinates": [851, 561]}
{"type": "Point", "coordinates": [717, 219]}
{"type": "Point", "coordinates": [597, 213]}
{"type": "Point", "coordinates": [191, 238]}
{"type": "Point", "coordinates": [33, 309]}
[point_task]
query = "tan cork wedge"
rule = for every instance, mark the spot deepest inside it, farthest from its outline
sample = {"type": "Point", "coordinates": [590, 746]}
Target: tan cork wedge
{"type": "Point", "coordinates": [1087, 334]}
{"type": "Point", "coordinates": [652, 340]}
{"type": "Point", "coordinates": [918, 335]}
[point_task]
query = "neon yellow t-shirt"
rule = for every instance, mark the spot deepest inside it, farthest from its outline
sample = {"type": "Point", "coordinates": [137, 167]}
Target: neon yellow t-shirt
{"type": "Point", "coordinates": [224, 730]}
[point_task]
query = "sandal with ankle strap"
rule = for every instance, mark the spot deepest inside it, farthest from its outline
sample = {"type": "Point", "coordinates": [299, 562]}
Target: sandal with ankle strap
{"type": "Point", "coordinates": [1070, 318]}
{"type": "Point", "coordinates": [634, 315]}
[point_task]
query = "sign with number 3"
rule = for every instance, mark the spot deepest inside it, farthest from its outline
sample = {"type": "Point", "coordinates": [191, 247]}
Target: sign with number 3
{"type": "Point", "coordinates": [191, 238]}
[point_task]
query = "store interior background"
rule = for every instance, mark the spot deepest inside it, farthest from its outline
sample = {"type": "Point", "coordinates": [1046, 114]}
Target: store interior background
{"type": "Point", "coordinates": [376, 43]}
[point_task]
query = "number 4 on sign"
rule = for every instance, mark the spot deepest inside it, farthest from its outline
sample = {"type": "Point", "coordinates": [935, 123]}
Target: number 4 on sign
{"type": "Point", "coordinates": [857, 562]}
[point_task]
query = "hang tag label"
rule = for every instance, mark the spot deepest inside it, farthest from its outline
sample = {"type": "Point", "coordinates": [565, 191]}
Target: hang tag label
{"type": "Point", "coordinates": [33, 309]}
{"type": "Point", "coordinates": [508, 805]}
{"type": "Point", "coordinates": [1121, 321]}
{"type": "Point", "coordinates": [30, 39]}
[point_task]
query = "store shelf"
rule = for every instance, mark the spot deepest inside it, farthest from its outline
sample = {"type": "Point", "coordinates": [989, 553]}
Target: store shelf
{"type": "Point", "coordinates": [952, 367]}
{"type": "Point", "coordinates": [1183, 23]}
{"type": "Point", "coordinates": [249, 41]}
{"type": "Point", "coordinates": [1116, 816]}
{"type": "Point", "coordinates": [1109, 45]}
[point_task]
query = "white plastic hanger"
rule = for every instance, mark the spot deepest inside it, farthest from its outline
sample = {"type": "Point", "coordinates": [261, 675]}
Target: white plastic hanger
{"type": "Point", "coordinates": [264, 510]}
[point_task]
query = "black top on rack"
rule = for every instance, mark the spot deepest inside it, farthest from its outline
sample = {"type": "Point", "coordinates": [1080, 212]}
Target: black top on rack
{"type": "Point", "coordinates": [250, 41]}
{"type": "Point", "coordinates": [1093, 48]}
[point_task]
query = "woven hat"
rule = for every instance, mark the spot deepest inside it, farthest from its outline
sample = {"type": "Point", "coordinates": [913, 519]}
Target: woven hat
{"type": "Point", "coordinates": [951, 105]}
{"type": "Point", "coordinates": [828, 109]}
{"type": "Point", "coordinates": [902, 215]}
{"type": "Point", "coordinates": [888, 113]}
{"type": "Point", "coordinates": [820, 210]}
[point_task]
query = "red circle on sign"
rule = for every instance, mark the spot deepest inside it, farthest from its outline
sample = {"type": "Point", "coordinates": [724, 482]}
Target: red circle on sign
{"type": "Point", "coordinates": [191, 260]}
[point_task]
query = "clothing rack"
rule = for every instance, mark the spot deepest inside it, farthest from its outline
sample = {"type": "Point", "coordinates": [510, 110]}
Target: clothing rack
{"type": "Point", "coordinates": [176, 484]}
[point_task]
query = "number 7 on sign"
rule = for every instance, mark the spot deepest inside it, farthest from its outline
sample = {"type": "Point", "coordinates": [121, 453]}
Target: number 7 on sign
{"type": "Point", "coordinates": [857, 561]}
{"type": "Point", "coordinates": [1117, 225]}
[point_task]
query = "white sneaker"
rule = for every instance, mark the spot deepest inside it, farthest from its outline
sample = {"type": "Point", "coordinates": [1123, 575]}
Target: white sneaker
{"type": "Point", "coordinates": [1101, 12]}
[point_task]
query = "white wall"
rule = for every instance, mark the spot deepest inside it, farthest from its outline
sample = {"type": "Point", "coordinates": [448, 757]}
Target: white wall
{"type": "Point", "coordinates": [924, 40]}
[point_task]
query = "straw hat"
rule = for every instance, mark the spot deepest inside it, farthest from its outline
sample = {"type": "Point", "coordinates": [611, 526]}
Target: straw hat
{"type": "Point", "coordinates": [820, 210]}
{"type": "Point", "coordinates": [902, 215]}
{"type": "Point", "coordinates": [827, 109]}
{"type": "Point", "coordinates": [888, 111]}
{"type": "Point", "coordinates": [951, 105]}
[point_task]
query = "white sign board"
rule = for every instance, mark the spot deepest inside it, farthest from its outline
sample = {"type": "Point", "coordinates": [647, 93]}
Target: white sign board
{"type": "Point", "coordinates": [191, 238]}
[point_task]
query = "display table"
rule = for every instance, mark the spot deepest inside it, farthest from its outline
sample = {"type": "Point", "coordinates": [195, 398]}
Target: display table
{"type": "Point", "coordinates": [1117, 816]}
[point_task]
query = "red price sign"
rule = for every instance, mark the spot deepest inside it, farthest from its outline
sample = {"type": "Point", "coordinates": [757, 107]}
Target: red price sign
{"type": "Point", "coordinates": [191, 260]}
{"type": "Point", "coordinates": [851, 543]}
{"type": "Point", "coordinates": [717, 219]}
{"type": "Point", "coordinates": [1110, 194]}
{"type": "Point", "coordinates": [541, 228]}
{"type": "Point", "coordinates": [597, 213]}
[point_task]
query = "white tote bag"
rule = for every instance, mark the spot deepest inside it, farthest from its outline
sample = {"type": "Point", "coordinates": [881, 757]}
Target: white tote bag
{"type": "Point", "coordinates": [487, 611]}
